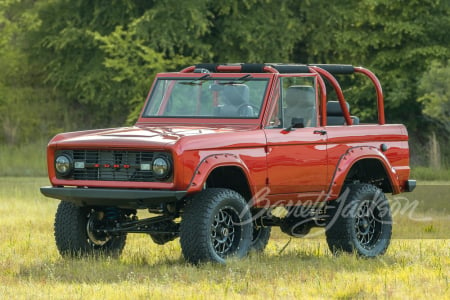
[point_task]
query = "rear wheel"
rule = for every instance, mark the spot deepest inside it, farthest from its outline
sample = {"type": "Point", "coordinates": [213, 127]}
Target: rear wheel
{"type": "Point", "coordinates": [216, 225]}
{"type": "Point", "coordinates": [75, 233]}
{"type": "Point", "coordinates": [361, 222]}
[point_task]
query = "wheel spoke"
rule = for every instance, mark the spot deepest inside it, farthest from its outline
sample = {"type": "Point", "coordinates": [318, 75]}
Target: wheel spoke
{"type": "Point", "coordinates": [223, 232]}
{"type": "Point", "coordinates": [367, 229]}
{"type": "Point", "coordinates": [367, 226]}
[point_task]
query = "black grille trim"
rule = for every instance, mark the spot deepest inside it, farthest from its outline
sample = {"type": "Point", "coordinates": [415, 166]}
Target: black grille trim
{"type": "Point", "coordinates": [114, 165]}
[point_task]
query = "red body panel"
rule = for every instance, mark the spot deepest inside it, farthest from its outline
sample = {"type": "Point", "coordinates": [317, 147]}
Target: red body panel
{"type": "Point", "coordinates": [302, 155]}
{"type": "Point", "coordinates": [366, 141]}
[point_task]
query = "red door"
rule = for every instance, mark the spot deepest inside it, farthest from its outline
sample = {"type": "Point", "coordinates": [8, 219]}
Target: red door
{"type": "Point", "coordinates": [297, 160]}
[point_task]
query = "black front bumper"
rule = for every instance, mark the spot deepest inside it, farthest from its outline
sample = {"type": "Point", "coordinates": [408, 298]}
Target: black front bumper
{"type": "Point", "coordinates": [125, 198]}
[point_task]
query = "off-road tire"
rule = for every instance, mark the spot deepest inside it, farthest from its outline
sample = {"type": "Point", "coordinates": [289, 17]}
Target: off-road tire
{"type": "Point", "coordinates": [261, 236]}
{"type": "Point", "coordinates": [71, 235]}
{"type": "Point", "coordinates": [361, 221]}
{"type": "Point", "coordinates": [215, 226]}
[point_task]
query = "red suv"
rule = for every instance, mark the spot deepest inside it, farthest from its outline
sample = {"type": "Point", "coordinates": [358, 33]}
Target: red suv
{"type": "Point", "coordinates": [223, 152]}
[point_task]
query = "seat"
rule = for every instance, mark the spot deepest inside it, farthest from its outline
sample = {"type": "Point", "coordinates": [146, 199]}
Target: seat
{"type": "Point", "coordinates": [335, 116]}
{"type": "Point", "coordinates": [235, 101]}
{"type": "Point", "coordinates": [301, 104]}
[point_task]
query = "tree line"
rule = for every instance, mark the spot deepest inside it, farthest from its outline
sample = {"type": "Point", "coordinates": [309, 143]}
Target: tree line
{"type": "Point", "coordinates": [77, 64]}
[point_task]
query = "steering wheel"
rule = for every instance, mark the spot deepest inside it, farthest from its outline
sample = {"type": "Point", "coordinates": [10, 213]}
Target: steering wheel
{"type": "Point", "coordinates": [247, 110]}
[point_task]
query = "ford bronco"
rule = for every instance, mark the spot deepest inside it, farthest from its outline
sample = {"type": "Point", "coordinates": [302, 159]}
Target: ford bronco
{"type": "Point", "coordinates": [223, 152]}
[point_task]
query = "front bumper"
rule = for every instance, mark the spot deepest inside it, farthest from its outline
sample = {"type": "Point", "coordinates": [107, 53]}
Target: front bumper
{"type": "Point", "coordinates": [124, 198]}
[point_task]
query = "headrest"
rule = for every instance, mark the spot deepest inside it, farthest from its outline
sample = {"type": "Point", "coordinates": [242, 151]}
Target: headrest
{"type": "Point", "coordinates": [236, 94]}
{"type": "Point", "coordinates": [334, 108]}
{"type": "Point", "coordinates": [301, 95]}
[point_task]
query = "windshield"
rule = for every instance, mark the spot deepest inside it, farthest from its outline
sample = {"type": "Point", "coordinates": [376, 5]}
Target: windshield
{"type": "Point", "coordinates": [207, 97]}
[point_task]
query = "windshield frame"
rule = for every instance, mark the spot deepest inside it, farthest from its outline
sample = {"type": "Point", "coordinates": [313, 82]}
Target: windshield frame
{"type": "Point", "coordinates": [245, 77]}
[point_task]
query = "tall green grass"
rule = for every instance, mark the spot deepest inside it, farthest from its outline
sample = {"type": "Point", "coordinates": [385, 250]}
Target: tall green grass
{"type": "Point", "coordinates": [23, 160]}
{"type": "Point", "coordinates": [31, 268]}
{"type": "Point", "coordinates": [430, 174]}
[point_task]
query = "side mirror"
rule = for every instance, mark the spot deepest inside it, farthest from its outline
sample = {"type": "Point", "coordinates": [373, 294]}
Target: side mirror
{"type": "Point", "coordinates": [295, 123]}
{"type": "Point", "coordinates": [298, 123]}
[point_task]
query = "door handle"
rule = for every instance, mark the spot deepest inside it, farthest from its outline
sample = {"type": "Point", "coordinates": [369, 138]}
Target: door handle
{"type": "Point", "coordinates": [321, 132]}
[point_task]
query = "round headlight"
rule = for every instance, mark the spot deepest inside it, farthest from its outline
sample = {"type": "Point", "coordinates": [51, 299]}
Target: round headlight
{"type": "Point", "coordinates": [63, 165]}
{"type": "Point", "coordinates": [161, 167]}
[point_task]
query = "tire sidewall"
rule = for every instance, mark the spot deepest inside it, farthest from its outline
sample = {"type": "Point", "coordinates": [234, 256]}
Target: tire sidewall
{"type": "Point", "coordinates": [70, 230]}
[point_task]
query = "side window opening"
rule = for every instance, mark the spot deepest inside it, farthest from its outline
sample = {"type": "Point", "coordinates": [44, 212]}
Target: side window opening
{"type": "Point", "coordinates": [300, 104]}
{"type": "Point", "coordinates": [299, 101]}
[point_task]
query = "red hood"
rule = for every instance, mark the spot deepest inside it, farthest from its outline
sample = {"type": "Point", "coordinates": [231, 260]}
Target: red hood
{"type": "Point", "coordinates": [140, 136]}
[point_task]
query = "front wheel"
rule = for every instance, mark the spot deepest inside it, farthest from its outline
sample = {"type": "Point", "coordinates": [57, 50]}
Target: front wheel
{"type": "Point", "coordinates": [215, 226]}
{"type": "Point", "coordinates": [75, 233]}
{"type": "Point", "coordinates": [361, 221]}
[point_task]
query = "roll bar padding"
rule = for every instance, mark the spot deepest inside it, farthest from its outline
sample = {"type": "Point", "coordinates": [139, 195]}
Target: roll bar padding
{"type": "Point", "coordinates": [281, 68]}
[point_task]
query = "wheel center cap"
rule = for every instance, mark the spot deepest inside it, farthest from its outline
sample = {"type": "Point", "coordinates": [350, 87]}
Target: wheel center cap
{"type": "Point", "coordinates": [365, 223]}
{"type": "Point", "coordinates": [225, 232]}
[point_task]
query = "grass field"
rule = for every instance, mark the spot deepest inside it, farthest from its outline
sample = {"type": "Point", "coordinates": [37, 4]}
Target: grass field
{"type": "Point", "coordinates": [31, 268]}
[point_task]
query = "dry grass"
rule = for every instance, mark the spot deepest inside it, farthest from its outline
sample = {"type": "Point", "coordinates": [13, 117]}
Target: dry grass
{"type": "Point", "coordinates": [31, 268]}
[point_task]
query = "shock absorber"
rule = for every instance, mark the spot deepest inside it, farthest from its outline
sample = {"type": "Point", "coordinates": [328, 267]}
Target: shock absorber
{"type": "Point", "coordinates": [112, 213]}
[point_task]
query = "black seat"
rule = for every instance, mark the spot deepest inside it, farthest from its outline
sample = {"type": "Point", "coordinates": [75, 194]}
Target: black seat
{"type": "Point", "coordinates": [301, 104]}
{"type": "Point", "coordinates": [335, 116]}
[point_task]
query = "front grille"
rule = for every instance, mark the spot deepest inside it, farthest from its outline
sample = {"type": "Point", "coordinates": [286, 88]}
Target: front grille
{"type": "Point", "coordinates": [114, 165]}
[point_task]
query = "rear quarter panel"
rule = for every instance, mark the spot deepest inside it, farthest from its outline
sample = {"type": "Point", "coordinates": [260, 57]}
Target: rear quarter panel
{"type": "Point", "coordinates": [395, 137]}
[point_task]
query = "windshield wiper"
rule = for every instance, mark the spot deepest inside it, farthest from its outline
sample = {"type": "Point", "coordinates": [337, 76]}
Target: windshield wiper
{"type": "Point", "coordinates": [197, 81]}
{"type": "Point", "coordinates": [238, 80]}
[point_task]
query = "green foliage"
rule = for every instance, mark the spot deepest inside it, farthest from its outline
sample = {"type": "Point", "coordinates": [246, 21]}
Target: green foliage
{"type": "Point", "coordinates": [80, 64]}
{"type": "Point", "coordinates": [396, 40]}
{"type": "Point", "coordinates": [132, 61]}
{"type": "Point", "coordinates": [113, 50]}
{"type": "Point", "coordinates": [12, 24]}
{"type": "Point", "coordinates": [175, 28]}
{"type": "Point", "coordinates": [72, 60]}
{"type": "Point", "coordinates": [255, 31]}
{"type": "Point", "coordinates": [27, 107]}
{"type": "Point", "coordinates": [435, 89]}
